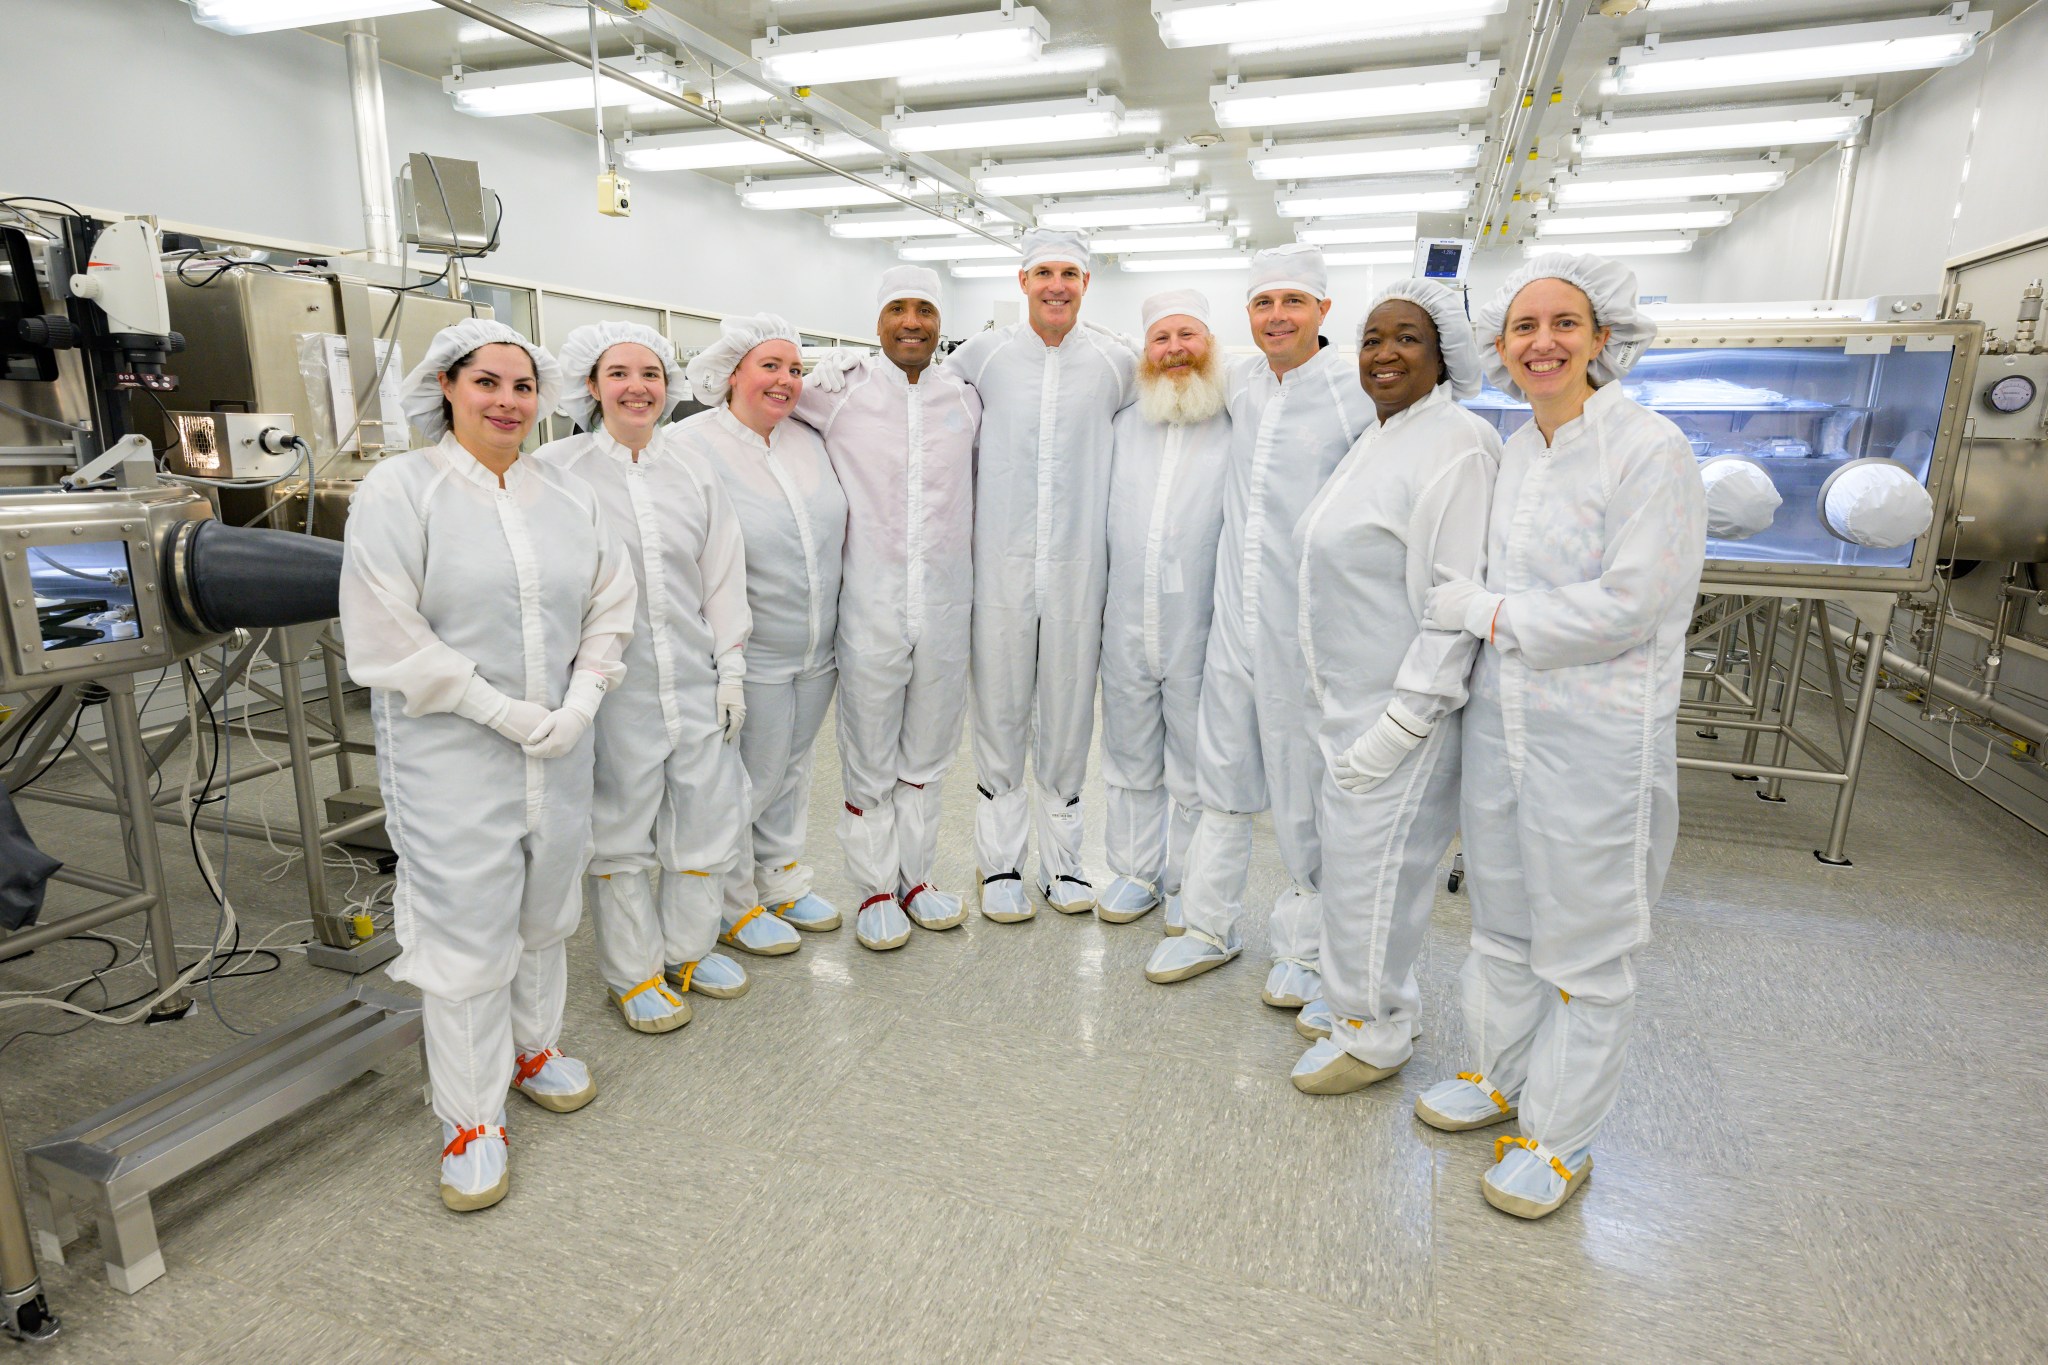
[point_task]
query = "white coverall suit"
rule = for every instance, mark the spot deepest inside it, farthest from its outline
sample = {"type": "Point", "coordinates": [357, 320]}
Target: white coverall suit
{"type": "Point", "coordinates": [670, 792]}
{"type": "Point", "coordinates": [1256, 741]}
{"type": "Point", "coordinates": [446, 575]}
{"type": "Point", "coordinates": [1570, 801]}
{"type": "Point", "coordinates": [904, 454]}
{"type": "Point", "coordinates": [1041, 551]}
{"type": "Point", "coordinates": [1411, 496]}
{"type": "Point", "coordinates": [793, 519]}
{"type": "Point", "coordinates": [1165, 517]}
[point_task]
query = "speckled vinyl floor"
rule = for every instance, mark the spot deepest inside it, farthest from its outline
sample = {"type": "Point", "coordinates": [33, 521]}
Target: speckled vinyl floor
{"type": "Point", "coordinates": [1001, 1144]}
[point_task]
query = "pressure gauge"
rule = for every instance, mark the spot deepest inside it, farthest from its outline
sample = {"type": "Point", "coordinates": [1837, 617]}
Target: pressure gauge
{"type": "Point", "coordinates": [2010, 394]}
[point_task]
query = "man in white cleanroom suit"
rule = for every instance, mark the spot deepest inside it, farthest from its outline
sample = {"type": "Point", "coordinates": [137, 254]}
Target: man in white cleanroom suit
{"type": "Point", "coordinates": [1050, 387]}
{"type": "Point", "coordinates": [670, 794]}
{"type": "Point", "coordinates": [901, 436]}
{"type": "Point", "coordinates": [1294, 412]}
{"type": "Point", "coordinates": [793, 521]}
{"type": "Point", "coordinates": [1405, 511]}
{"type": "Point", "coordinates": [488, 614]}
{"type": "Point", "coordinates": [1570, 805]}
{"type": "Point", "coordinates": [1165, 514]}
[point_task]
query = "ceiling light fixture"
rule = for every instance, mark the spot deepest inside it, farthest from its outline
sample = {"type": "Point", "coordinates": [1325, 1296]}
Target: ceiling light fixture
{"type": "Point", "coordinates": [716, 149]}
{"type": "Point", "coordinates": [1393, 92]}
{"type": "Point", "coordinates": [1119, 241]}
{"type": "Point", "coordinates": [1084, 175]}
{"type": "Point", "coordinates": [1091, 116]}
{"type": "Point", "coordinates": [1607, 222]}
{"type": "Point", "coordinates": [997, 271]}
{"type": "Point", "coordinates": [1366, 197]}
{"type": "Point", "coordinates": [1396, 256]}
{"type": "Point", "coordinates": [1273, 23]}
{"type": "Point", "coordinates": [824, 192]}
{"type": "Point", "coordinates": [879, 52]}
{"type": "Point", "coordinates": [1069, 61]}
{"type": "Point", "coordinates": [1356, 231]}
{"type": "Point", "coordinates": [957, 251]}
{"type": "Point", "coordinates": [1647, 184]}
{"type": "Point", "coordinates": [1407, 154]}
{"type": "Point", "coordinates": [1148, 264]}
{"type": "Point", "coordinates": [1138, 210]}
{"type": "Point", "coordinates": [1721, 130]}
{"type": "Point", "coordinates": [267, 16]}
{"type": "Point", "coordinates": [1619, 246]}
{"type": "Point", "coordinates": [894, 222]}
{"type": "Point", "coordinates": [558, 86]}
{"type": "Point", "coordinates": [1808, 54]}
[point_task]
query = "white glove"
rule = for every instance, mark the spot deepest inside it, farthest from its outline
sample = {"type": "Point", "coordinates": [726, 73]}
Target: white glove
{"type": "Point", "coordinates": [828, 372]}
{"type": "Point", "coordinates": [1374, 755]}
{"type": "Point", "coordinates": [1460, 604]}
{"type": "Point", "coordinates": [732, 697]}
{"type": "Point", "coordinates": [559, 732]}
{"type": "Point", "coordinates": [492, 709]}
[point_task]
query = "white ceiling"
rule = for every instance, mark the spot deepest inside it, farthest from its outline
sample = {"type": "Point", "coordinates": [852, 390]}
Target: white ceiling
{"type": "Point", "coordinates": [1167, 87]}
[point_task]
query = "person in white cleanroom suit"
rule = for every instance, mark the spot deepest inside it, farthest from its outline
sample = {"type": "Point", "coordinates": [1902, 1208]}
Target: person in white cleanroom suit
{"type": "Point", "coordinates": [1570, 805]}
{"type": "Point", "coordinates": [1049, 387]}
{"type": "Point", "coordinates": [670, 793]}
{"type": "Point", "coordinates": [486, 607]}
{"type": "Point", "coordinates": [901, 436]}
{"type": "Point", "coordinates": [1405, 511]}
{"type": "Point", "coordinates": [1165, 514]}
{"type": "Point", "coordinates": [793, 520]}
{"type": "Point", "coordinates": [1294, 411]}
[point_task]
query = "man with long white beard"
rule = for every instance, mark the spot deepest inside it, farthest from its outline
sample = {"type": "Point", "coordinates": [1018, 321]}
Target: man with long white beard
{"type": "Point", "coordinates": [1165, 514]}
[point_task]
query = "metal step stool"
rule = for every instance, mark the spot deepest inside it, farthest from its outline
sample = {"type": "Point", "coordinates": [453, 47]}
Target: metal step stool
{"type": "Point", "coordinates": [113, 1161]}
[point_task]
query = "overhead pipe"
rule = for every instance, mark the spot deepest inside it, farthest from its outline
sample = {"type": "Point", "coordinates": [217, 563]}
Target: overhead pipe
{"type": "Point", "coordinates": [1535, 77]}
{"type": "Point", "coordinates": [1845, 197]}
{"type": "Point", "coordinates": [655, 92]}
{"type": "Point", "coordinates": [373, 144]}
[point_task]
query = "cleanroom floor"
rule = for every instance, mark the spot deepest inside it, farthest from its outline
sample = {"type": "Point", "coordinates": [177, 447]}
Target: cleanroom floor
{"type": "Point", "coordinates": [1001, 1144]}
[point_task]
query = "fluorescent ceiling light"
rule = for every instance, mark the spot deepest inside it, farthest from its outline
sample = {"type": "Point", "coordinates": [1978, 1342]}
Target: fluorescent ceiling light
{"type": "Point", "coordinates": [1176, 264]}
{"type": "Point", "coordinates": [730, 92]}
{"type": "Point", "coordinates": [1721, 130]}
{"type": "Point", "coordinates": [1084, 175]}
{"type": "Point", "coordinates": [557, 86]}
{"type": "Point", "coordinates": [1333, 200]}
{"type": "Point", "coordinates": [895, 222]}
{"type": "Point", "coordinates": [1070, 61]}
{"type": "Point", "coordinates": [1605, 223]}
{"type": "Point", "coordinates": [879, 52]}
{"type": "Point", "coordinates": [1275, 23]}
{"type": "Point", "coordinates": [1620, 246]}
{"type": "Point", "coordinates": [1120, 241]}
{"type": "Point", "coordinates": [1355, 231]}
{"type": "Point", "coordinates": [1808, 54]}
{"type": "Point", "coordinates": [819, 192]}
{"type": "Point", "coordinates": [1396, 92]}
{"type": "Point", "coordinates": [1401, 256]}
{"type": "Point", "coordinates": [1155, 210]}
{"type": "Point", "coordinates": [1644, 184]}
{"type": "Point", "coordinates": [267, 16]}
{"type": "Point", "coordinates": [973, 250]}
{"type": "Point", "coordinates": [1404, 155]}
{"type": "Point", "coordinates": [1006, 125]}
{"type": "Point", "coordinates": [983, 272]}
{"type": "Point", "coordinates": [716, 149]}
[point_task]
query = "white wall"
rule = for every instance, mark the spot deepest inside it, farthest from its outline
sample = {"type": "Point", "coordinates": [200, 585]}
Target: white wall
{"type": "Point", "coordinates": [1955, 165]}
{"type": "Point", "coordinates": [131, 106]}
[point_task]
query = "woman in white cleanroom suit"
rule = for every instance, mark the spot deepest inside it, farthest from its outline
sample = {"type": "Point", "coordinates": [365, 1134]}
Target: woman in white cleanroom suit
{"type": "Point", "coordinates": [1405, 511]}
{"type": "Point", "coordinates": [487, 608]}
{"type": "Point", "coordinates": [670, 795]}
{"type": "Point", "coordinates": [793, 519]}
{"type": "Point", "coordinates": [1570, 803]}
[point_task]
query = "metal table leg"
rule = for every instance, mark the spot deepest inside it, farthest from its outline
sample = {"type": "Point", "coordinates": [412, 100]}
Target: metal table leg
{"type": "Point", "coordinates": [24, 1312]}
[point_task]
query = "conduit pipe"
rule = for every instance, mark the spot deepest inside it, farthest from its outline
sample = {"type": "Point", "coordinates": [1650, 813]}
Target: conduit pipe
{"type": "Point", "coordinates": [1845, 198]}
{"type": "Point", "coordinates": [1997, 712]}
{"type": "Point", "coordinates": [373, 144]}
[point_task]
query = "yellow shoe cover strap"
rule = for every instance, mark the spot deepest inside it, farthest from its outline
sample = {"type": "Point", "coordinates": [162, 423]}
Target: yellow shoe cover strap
{"type": "Point", "coordinates": [1501, 1145]}
{"type": "Point", "coordinates": [1478, 1078]}
{"type": "Point", "coordinates": [689, 970]}
{"type": "Point", "coordinates": [652, 983]}
{"type": "Point", "coordinates": [732, 935]}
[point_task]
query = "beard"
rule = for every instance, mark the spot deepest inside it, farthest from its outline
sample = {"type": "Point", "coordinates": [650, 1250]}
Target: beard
{"type": "Point", "coordinates": [1182, 396]}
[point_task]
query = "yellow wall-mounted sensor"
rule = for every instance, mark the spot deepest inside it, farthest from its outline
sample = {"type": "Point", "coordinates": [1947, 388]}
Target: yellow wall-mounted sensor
{"type": "Point", "coordinates": [614, 195]}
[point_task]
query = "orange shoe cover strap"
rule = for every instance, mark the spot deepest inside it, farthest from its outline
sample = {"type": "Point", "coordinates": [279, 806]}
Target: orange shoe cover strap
{"type": "Point", "coordinates": [460, 1143]}
{"type": "Point", "coordinates": [529, 1064]}
{"type": "Point", "coordinates": [652, 983]}
{"type": "Point", "coordinates": [732, 935]}
{"type": "Point", "coordinates": [1478, 1078]}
